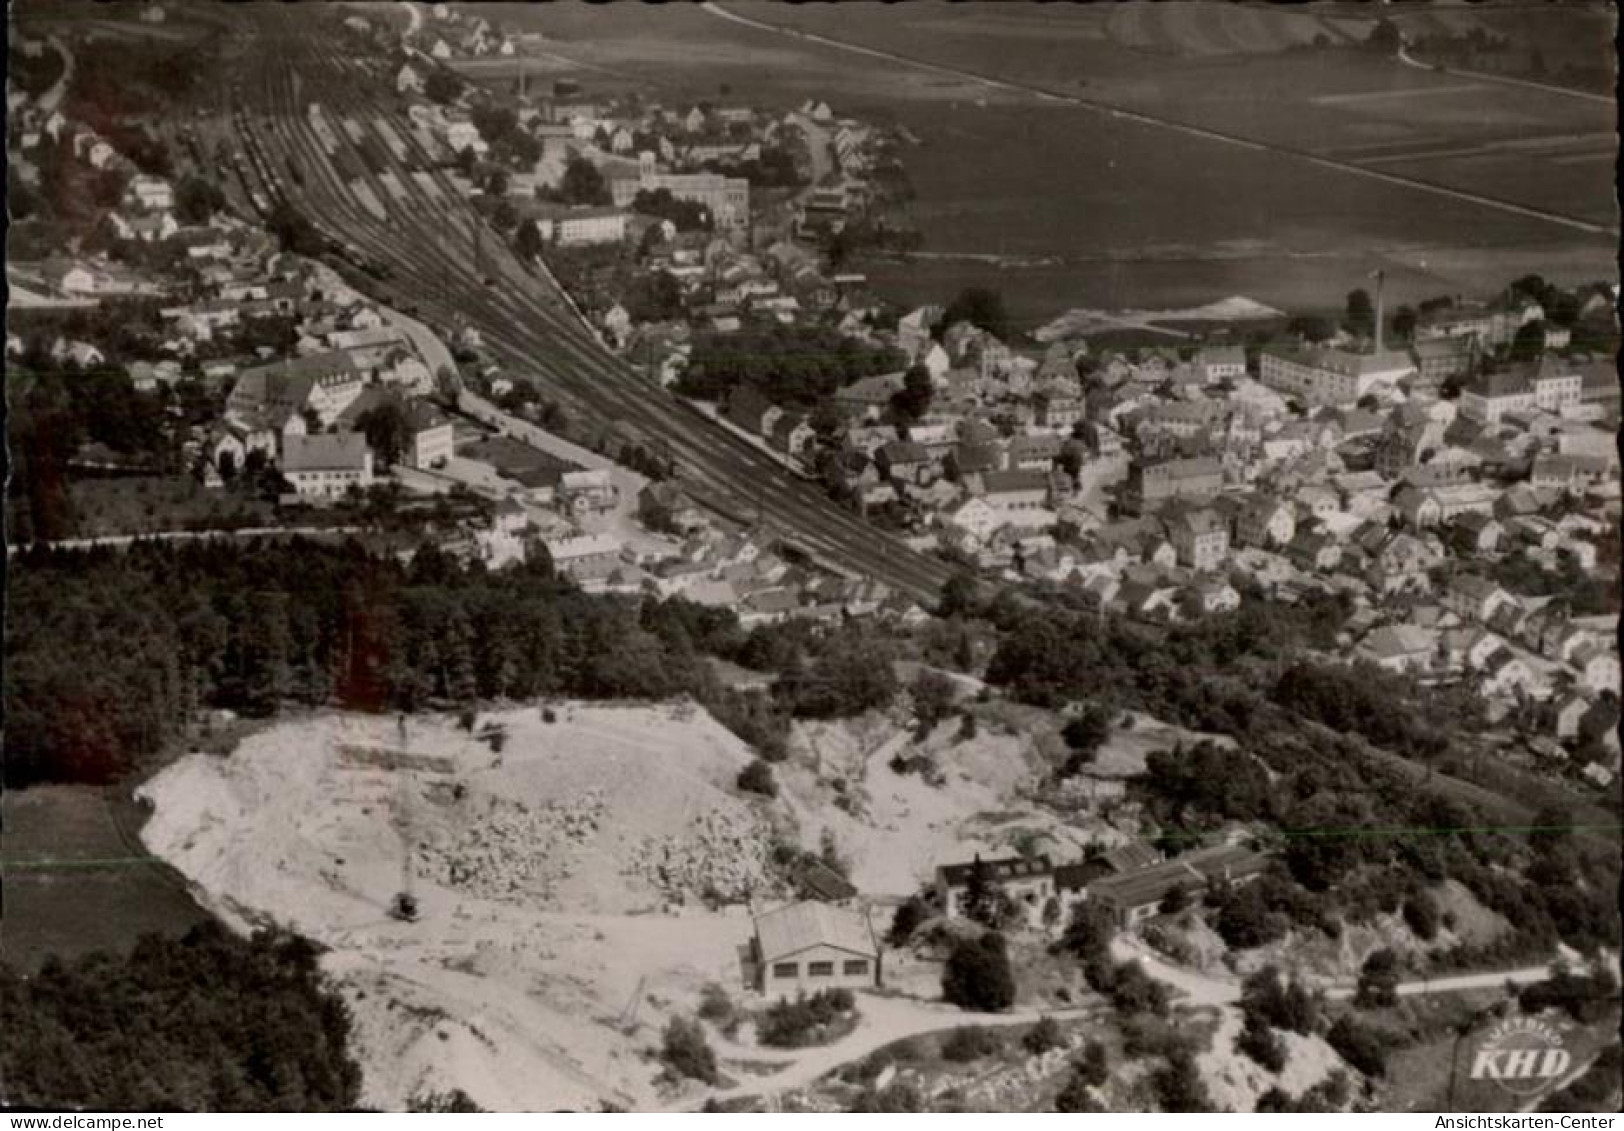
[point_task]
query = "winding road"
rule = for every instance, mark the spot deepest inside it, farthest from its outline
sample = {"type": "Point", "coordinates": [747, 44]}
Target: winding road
{"type": "Point", "coordinates": [1205, 989]}
{"type": "Point", "coordinates": [885, 1020]}
{"type": "Point", "coordinates": [49, 101]}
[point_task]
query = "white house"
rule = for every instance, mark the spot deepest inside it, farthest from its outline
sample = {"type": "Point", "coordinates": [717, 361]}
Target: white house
{"type": "Point", "coordinates": [151, 193]}
{"type": "Point", "coordinates": [328, 465]}
{"type": "Point", "coordinates": [586, 558]}
{"type": "Point", "coordinates": [575, 227]}
{"type": "Point", "coordinates": [431, 436]}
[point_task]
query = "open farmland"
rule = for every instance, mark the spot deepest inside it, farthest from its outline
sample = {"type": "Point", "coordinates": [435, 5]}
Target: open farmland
{"type": "Point", "coordinates": [76, 878]}
{"type": "Point", "coordinates": [1571, 47]}
{"type": "Point", "coordinates": [1254, 74]}
{"type": "Point", "coordinates": [1088, 209]}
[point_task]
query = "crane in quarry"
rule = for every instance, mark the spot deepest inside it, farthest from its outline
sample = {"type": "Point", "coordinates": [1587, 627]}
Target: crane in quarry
{"type": "Point", "coordinates": [627, 1021]}
{"type": "Point", "coordinates": [404, 904]}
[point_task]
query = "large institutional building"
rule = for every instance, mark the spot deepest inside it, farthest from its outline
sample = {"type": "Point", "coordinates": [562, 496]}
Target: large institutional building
{"type": "Point", "coordinates": [727, 198]}
{"type": "Point", "coordinates": [1330, 376]}
{"type": "Point", "coordinates": [1547, 385]}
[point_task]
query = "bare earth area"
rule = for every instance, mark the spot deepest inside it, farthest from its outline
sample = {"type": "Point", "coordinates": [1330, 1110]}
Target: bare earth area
{"type": "Point", "coordinates": [551, 877]}
{"type": "Point", "coordinates": [566, 873]}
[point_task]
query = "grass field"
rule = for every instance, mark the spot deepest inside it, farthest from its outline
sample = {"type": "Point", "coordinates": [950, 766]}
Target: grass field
{"type": "Point", "coordinates": [105, 507]}
{"type": "Point", "coordinates": [76, 879]}
{"type": "Point", "coordinates": [1136, 214]}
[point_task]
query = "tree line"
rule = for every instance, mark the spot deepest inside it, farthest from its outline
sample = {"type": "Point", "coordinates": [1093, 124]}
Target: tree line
{"type": "Point", "coordinates": [111, 654]}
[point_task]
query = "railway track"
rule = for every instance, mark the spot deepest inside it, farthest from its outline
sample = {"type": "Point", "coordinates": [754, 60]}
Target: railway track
{"type": "Point", "coordinates": [425, 242]}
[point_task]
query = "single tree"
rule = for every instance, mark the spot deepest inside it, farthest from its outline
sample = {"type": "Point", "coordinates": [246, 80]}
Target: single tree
{"type": "Point", "coordinates": [582, 183]}
{"type": "Point", "coordinates": [387, 431]}
{"type": "Point", "coordinates": [979, 306]}
{"type": "Point", "coordinates": [686, 1052]}
{"type": "Point", "coordinates": [1260, 1042]}
{"type": "Point", "coordinates": [1378, 980]}
{"type": "Point", "coordinates": [933, 695]}
{"type": "Point", "coordinates": [1179, 1086]}
{"type": "Point", "coordinates": [757, 778]}
{"type": "Point", "coordinates": [1360, 317]}
{"type": "Point", "coordinates": [1310, 327]}
{"type": "Point", "coordinates": [912, 401]}
{"type": "Point", "coordinates": [977, 975]}
{"type": "Point", "coordinates": [1084, 735]}
{"type": "Point", "coordinates": [504, 217]}
{"type": "Point", "coordinates": [906, 919]}
{"type": "Point", "coordinates": [442, 86]}
{"type": "Point", "coordinates": [527, 242]}
{"type": "Point", "coordinates": [1385, 37]}
{"type": "Point", "coordinates": [1404, 319]}
{"type": "Point", "coordinates": [958, 596]}
{"type": "Point", "coordinates": [1044, 1036]}
{"type": "Point", "coordinates": [1529, 344]}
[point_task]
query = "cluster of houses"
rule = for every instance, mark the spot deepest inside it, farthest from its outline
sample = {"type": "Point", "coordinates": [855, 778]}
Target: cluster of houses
{"type": "Point", "coordinates": [694, 555]}
{"type": "Point", "coordinates": [448, 34]}
{"type": "Point", "coordinates": [292, 406]}
{"type": "Point", "coordinates": [1131, 881]}
{"type": "Point", "coordinates": [749, 262]}
{"type": "Point", "coordinates": [828, 940]}
{"type": "Point", "coordinates": [146, 213]}
{"type": "Point", "coordinates": [723, 288]}
{"type": "Point", "coordinates": [1163, 485]}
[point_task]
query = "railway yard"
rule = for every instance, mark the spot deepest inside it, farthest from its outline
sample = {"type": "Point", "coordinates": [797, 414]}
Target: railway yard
{"type": "Point", "coordinates": [389, 210]}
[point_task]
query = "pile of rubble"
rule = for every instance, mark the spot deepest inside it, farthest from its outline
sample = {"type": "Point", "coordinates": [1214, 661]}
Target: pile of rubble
{"type": "Point", "coordinates": [724, 856]}
{"type": "Point", "coordinates": [1009, 1087]}
{"type": "Point", "coordinates": [513, 850]}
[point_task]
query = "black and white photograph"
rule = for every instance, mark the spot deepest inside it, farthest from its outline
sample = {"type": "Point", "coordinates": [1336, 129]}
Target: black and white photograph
{"type": "Point", "coordinates": [739, 556]}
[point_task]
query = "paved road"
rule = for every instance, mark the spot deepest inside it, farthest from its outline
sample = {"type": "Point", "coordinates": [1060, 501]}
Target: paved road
{"type": "Point", "coordinates": [1557, 218]}
{"type": "Point", "coordinates": [426, 236]}
{"type": "Point", "coordinates": [1205, 989]}
{"type": "Point", "coordinates": [51, 98]}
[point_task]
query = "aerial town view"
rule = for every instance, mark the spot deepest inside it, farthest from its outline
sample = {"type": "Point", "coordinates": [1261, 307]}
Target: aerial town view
{"type": "Point", "coordinates": [747, 557]}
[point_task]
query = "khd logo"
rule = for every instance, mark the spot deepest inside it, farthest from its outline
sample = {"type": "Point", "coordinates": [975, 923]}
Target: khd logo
{"type": "Point", "coordinates": [1522, 1055]}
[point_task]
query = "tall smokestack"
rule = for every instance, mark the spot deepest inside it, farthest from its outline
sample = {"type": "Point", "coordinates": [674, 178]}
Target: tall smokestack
{"type": "Point", "coordinates": [1378, 275]}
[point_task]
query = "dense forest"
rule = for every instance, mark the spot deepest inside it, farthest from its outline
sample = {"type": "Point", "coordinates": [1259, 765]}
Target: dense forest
{"type": "Point", "coordinates": [207, 1022]}
{"type": "Point", "coordinates": [110, 654]}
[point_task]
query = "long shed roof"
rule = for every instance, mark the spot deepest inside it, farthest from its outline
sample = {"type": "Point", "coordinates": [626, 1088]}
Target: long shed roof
{"type": "Point", "coordinates": [799, 926]}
